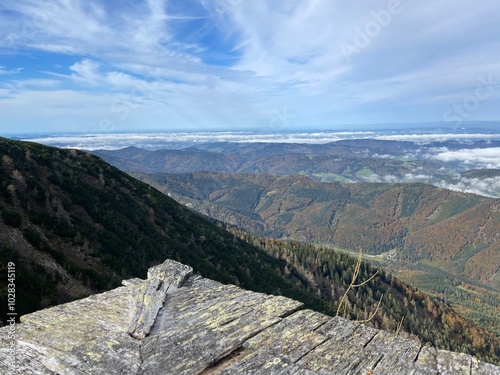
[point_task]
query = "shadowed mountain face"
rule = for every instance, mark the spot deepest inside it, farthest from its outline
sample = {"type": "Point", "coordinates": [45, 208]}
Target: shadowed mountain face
{"type": "Point", "coordinates": [74, 225]}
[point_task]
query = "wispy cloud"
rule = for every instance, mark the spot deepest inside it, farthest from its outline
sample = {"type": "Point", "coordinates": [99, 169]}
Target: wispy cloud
{"type": "Point", "coordinates": [3, 70]}
{"type": "Point", "coordinates": [231, 64]}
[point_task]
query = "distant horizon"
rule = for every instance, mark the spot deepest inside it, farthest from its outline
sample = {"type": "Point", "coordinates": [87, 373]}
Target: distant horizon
{"type": "Point", "coordinates": [493, 125]}
{"type": "Point", "coordinates": [151, 140]}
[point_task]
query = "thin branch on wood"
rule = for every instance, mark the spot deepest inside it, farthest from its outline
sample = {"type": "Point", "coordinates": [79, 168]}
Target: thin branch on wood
{"type": "Point", "coordinates": [343, 304]}
{"type": "Point", "coordinates": [374, 313]}
{"type": "Point", "coordinates": [399, 325]}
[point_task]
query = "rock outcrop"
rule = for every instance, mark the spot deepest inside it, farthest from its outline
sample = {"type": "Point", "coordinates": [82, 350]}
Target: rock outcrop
{"type": "Point", "coordinates": [177, 323]}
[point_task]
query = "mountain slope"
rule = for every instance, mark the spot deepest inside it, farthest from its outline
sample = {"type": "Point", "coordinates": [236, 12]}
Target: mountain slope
{"type": "Point", "coordinates": [75, 225]}
{"type": "Point", "coordinates": [455, 231]}
{"type": "Point", "coordinates": [465, 244]}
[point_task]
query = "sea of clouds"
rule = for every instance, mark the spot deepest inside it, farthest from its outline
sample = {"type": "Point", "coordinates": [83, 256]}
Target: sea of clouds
{"type": "Point", "coordinates": [155, 141]}
{"type": "Point", "coordinates": [158, 140]}
{"type": "Point", "coordinates": [459, 159]}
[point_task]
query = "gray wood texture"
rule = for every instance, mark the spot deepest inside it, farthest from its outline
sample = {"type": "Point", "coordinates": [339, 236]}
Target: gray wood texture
{"type": "Point", "coordinates": [176, 323]}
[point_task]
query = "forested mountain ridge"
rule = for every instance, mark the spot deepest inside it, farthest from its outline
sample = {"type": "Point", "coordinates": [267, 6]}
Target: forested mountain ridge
{"type": "Point", "coordinates": [354, 160]}
{"type": "Point", "coordinates": [457, 232]}
{"type": "Point", "coordinates": [322, 162]}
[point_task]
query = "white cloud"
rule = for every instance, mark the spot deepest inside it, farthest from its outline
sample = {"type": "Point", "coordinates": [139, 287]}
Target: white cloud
{"type": "Point", "coordinates": [438, 137]}
{"type": "Point", "coordinates": [391, 178]}
{"type": "Point", "coordinates": [484, 157]}
{"type": "Point", "coordinates": [233, 63]}
{"type": "Point", "coordinates": [488, 187]}
{"type": "Point", "coordinates": [4, 70]}
{"type": "Point", "coordinates": [96, 137]}
{"type": "Point", "coordinates": [385, 156]}
{"type": "Point", "coordinates": [86, 72]}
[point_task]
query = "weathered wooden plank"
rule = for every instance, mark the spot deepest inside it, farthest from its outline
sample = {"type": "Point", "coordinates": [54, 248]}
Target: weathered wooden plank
{"type": "Point", "coordinates": [199, 326]}
{"type": "Point", "coordinates": [278, 348]}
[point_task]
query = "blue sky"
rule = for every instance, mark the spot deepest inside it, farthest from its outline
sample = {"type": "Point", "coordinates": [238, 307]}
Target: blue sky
{"type": "Point", "coordinates": [116, 66]}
